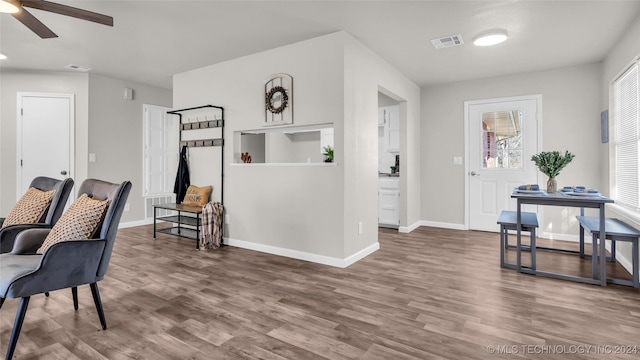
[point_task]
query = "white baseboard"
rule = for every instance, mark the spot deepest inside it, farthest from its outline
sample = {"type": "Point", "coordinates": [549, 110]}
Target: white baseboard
{"type": "Point", "coordinates": [623, 260]}
{"type": "Point", "coordinates": [410, 228]}
{"type": "Point", "coordinates": [563, 237]}
{"type": "Point", "coordinates": [361, 254]}
{"type": "Point", "coordinates": [301, 255]}
{"type": "Point", "coordinates": [135, 223]}
{"type": "Point", "coordinates": [443, 225]}
{"type": "Point", "coordinates": [343, 263]}
{"type": "Point", "coordinates": [626, 263]}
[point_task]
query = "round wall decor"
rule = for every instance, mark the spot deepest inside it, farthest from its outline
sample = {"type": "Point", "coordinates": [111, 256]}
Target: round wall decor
{"type": "Point", "coordinates": [278, 100]}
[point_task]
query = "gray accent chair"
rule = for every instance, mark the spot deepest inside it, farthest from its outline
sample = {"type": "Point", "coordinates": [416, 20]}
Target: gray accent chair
{"type": "Point", "coordinates": [49, 218]}
{"type": "Point", "coordinates": [69, 264]}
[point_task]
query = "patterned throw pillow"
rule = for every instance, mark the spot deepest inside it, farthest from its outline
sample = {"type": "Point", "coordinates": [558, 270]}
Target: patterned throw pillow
{"type": "Point", "coordinates": [79, 222]}
{"type": "Point", "coordinates": [30, 208]}
{"type": "Point", "coordinates": [197, 196]}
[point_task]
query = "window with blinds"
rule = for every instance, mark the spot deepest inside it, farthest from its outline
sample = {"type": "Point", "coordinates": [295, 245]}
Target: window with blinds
{"type": "Point", "coordinates": [626, 102]}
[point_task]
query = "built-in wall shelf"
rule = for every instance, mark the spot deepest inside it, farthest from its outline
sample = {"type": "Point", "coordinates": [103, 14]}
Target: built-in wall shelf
{"type": "Point", "coordinates": [312, 164]}
{"type": "Point", "coordinates": [278, 145]}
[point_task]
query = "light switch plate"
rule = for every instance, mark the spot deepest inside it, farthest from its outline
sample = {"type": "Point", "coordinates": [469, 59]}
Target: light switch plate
{"type": "Point", "coordinates": [457, 160]}
{"type": "Point", "coordinates": [92, 157]}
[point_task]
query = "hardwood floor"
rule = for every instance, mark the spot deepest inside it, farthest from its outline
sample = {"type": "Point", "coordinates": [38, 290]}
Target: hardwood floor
{"type": "Point", "coordinates": [431, 294]}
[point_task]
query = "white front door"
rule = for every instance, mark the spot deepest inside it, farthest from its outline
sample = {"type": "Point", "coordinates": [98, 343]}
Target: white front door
{"type": "Point", "coordinates": [44, 137]}
{"type": "Point", "coordinates": [502, 137]}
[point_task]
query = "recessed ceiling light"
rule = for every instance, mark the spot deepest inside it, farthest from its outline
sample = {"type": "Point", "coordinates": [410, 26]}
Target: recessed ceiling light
{"type": "Point", "coordinates": [9, 6]}
{"type": "Point", "coordinates": [490, 38]}
{"type": "Point", "coordinates": [2, 56]}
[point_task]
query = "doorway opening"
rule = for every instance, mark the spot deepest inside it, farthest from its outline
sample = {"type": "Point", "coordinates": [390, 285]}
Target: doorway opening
{"type": "Point", "coordinates": [389, 167]}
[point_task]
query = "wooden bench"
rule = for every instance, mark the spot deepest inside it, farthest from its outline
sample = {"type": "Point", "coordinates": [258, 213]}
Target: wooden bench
{"type": "Point", "coordinates": [508, 220]}
{"type": "Point", "coordinates": [615, 230]}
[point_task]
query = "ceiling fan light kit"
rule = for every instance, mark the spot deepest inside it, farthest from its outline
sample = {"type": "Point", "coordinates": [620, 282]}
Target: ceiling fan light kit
{"type": "Point", "coordinates": [37, 26]}
{"type": "Point", "coordinates": [9, 6]}
{"type": "Point", "coordinates": [490, 38]}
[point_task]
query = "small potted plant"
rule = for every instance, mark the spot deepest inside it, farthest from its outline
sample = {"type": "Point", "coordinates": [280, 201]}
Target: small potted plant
{"type": "Point", "coordinates": [550, 163]}
{"type": "Point", "coordinates": [328, 154]}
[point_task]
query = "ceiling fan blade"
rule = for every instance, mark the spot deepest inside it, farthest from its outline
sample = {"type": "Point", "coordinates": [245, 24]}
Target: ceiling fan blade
{"type": "Point", "coordinates": [68, 11]}
{"type": "Point", "coordinates": [34, 24]}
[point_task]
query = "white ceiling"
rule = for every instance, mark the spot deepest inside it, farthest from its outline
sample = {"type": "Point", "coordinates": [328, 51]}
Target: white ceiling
{"type": "Point", "coordinates": [152, 40]}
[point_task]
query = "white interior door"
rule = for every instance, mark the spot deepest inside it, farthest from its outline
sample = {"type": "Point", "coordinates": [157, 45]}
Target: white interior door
{"type": "Point", "coordinates": [503, 135]}
{"type": "Point", "coordinates": [44, 137]}
{"type": "Point", "coordinates": [160, 150]}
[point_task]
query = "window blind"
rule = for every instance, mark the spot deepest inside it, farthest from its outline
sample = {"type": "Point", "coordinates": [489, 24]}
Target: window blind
{"type": "Point", "coordinates": [627, 137]}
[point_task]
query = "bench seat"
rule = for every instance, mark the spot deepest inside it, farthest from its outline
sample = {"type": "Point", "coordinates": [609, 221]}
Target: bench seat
{"type": "Point", "coordinates": [508, 220]}
{"type": "Point", "coordinates": [616, 230]}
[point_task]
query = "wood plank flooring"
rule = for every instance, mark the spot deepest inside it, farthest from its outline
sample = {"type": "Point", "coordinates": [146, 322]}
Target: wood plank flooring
{"type": "Point", "coordinates": [431, 294]}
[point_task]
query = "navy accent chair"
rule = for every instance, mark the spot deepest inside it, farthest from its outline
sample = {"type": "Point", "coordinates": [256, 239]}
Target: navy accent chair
{"type": "Point", "coordinates": [53, 213]}
{"type": "Point", "coordinates": [68, 264]}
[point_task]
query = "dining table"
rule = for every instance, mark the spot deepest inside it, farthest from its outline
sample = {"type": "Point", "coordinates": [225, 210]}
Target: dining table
{"type": "Point", "coordinates": [564, 199]}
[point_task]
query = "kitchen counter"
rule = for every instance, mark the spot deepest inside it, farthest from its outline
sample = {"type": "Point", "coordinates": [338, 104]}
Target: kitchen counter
{"type": "Point", "coordinates": [388, 175]}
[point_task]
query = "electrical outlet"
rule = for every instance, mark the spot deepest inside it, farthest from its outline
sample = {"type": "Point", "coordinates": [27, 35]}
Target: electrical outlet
{"type": "Point", "coordinates": [226, 219]}
{"type": "Point", "coordinates": [127, 207]}
{"type": "Point", "coordinates": [360, 227]}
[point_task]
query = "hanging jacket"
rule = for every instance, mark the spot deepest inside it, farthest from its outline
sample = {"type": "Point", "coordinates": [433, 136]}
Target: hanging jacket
{"type": "Point", "coordinates": [182, 177]}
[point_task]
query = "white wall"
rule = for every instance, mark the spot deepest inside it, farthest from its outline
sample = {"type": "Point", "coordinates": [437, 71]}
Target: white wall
{"type": "Point", "coordinates": [297, 208]}
{"type": "Point", "coordinates": [570, 121]}
{"type": "Point", "coordinates": [366, 74]}
{"type": "Point", "coordinates": [115, 134]}
{"type": "Point", "coordinates": [293, 148]}
{"type": "Point", "coordinates": [14, 81]}
{"type": "Point", "coordinates": [105, 125]}
{"type": "Point", "coordinates": [254, 144]}
{"type": "Point", "coordinates": [620, 56]}
{"type": "Point", "coordinates": [303, 211]}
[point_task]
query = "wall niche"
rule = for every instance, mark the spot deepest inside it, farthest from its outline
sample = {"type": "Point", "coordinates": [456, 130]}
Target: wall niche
{"type": "Point", "coordinates": [284, 145]}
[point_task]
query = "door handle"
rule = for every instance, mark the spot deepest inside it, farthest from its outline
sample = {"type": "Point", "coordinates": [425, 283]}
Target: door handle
{"type": "Point", "coordinates": [473, 173]}
{"type": "Point", "coordinates": [63, 172]}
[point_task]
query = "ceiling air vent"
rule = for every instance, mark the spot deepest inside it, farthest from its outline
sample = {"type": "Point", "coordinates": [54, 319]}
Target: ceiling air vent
{"type": "Point", "coordinates": [77, 67]}
{"type": "Point", "coordinates": [447, 41]}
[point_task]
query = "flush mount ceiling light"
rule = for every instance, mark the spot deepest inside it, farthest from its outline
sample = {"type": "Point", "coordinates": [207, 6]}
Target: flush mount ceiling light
{"type": "Point", "coordinates": [490, 38]}
{"type": "Point", "coordinates": [9, 6]}
{"type": "Point", "coordinates": [2, 56]}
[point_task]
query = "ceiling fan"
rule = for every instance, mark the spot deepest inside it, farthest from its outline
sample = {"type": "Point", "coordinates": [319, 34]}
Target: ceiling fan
{"type": "Point", "coordinates": [18, 11]}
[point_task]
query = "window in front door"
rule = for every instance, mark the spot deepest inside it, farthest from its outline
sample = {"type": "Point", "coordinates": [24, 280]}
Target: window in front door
{"type": "Point", "coordinates": [502, 139]}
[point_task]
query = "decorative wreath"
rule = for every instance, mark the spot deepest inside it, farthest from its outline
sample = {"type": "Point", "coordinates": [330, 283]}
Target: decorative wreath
{"type": "Point", "coordinates": [283, 104]}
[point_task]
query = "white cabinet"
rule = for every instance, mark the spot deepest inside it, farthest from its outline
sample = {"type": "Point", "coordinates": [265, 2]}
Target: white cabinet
{"type": "Point", "coordinates": [389, 119]}
{"type": "Point", "coordinates": [393, 129]}
{"type": "Point", "coordinates": [389, 201]}
{"type": "Point", "coordinates": [382, 116]}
